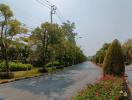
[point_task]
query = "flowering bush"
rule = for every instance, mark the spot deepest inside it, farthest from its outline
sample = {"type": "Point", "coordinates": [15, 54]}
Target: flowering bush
{"type": "Point", "coordinates": [107, 88]}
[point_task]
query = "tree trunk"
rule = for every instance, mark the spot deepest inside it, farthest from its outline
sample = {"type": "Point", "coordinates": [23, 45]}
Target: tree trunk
{"type": "Point", "coordinates": [5, 49]}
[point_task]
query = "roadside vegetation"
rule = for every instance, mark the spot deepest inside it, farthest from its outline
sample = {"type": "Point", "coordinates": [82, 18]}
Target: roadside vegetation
{"type": "Point", "coordinates": [107, 88]}
{"type": "Point", "coordinates": [112, 86]}
{"type": "Point", "coordinates": [113, 63]}
{"type": "Point", "coordinates": [47, 48]}
{"type": "Point", "coordinates": [52, 47]}
{"type": "Point", "coordinates": [98, 58]}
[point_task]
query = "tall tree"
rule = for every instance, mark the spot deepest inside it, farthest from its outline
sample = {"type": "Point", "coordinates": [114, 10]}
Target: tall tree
{"type": "Point", "coordinates": [9, 28]}
{"type": "Point", "coordinates": [101, 53]}
{"type": "Point", "coordinates": [68, 28]}
{"type": "Point", "coordinates": [127, 49]}
{"type": "Point", "coordinates": [114, 60]}
{"type": "Point", "coordinates": [43, 37]}
{"type": "Point", "coordinates": [51, 43]}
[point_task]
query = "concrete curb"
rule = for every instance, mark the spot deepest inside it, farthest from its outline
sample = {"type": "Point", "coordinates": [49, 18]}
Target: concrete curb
{"type": "Point", "coordinates": [129, 89]}
{"type": "Point", "coordinates": [22, 78]}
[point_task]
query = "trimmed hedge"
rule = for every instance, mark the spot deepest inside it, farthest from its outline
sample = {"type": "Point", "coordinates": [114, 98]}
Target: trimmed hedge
{"type": "Point", "coordinates": [15, 66]}
{"type": "Point", "coordinates": [54, 64]}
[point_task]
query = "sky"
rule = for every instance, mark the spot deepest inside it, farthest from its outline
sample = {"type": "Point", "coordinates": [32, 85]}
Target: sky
{"type": "Point", "coordinates": [97, 21]}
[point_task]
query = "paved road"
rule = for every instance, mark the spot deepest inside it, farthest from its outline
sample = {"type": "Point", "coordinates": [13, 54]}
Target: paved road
{"type": "Point", "coordinates": [59, 86]}
{"type": "Point", "coordinates": [129, 73]}
{"type": "Point", "coordinates": [129, 78]}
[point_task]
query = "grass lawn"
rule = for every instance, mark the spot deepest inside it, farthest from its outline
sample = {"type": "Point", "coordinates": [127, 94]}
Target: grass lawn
{"type": "Point", "coordinates": [107, 88]}
{"type": "Point", "coordinates": [20, 74]}
{"type": "Point", "coordinates": [29, 73]}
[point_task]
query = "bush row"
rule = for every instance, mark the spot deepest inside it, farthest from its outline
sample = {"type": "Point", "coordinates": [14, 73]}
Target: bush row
{"type": "Point", "coordinates": [54, 64]}
{"type": "Point", "coordinates": [15, 66]}
{"type": "Point", "coordinates": [51, 67]}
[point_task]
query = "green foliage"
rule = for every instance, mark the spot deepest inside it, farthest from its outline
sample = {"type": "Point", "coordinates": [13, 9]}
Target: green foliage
{"type": "Point", "coordinates": [127, 50]}
{"type": "Point", "coordinates": [10, 27]}
{"type": "Point", "coordinates": [68, 29]}
{"type": "Point", "coordinates": [47, 43]}
{"type": "Point", "coordinates": [114, 60]}
{"type": "Point", "coordinates": [52, 42]}
{"type": "Point", "coordinates": [5, 11]}
{"type": "Point", "coordinates": [5, 75]}
{"type": "Point", "coordinates": [54, 64]}
{"type": "Point", "coordinates": [15, 66]}
{"type": "Point", "coordinates": [101, 53]}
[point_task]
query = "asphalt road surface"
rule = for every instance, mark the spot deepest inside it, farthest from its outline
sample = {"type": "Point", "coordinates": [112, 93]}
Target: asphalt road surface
{"type": "Point", "coordinates": [60, 86]}
{"type": "Point", "coordinates": [129, 74]}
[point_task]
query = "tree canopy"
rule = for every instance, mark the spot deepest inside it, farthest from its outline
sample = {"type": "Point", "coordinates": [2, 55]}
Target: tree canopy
{"type": "Point", "coordinates": [114, 60]}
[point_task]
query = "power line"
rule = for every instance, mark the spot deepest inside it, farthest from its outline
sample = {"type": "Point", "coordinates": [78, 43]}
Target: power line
{"type": "Point", "coordinates": [59, 17]}
{"type": "Point", "coordinates": [42, 3]}
{"type": "Point", "coordinates": [60, 14]}
{"type": "Point", "coordinates": [28, 18]}
{"type": "Point", "coordinates": [54, 10]}
{"type": "Point", "coordinates": [49, 3]}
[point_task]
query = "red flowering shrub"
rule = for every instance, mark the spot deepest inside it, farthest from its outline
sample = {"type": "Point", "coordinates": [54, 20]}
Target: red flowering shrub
{"type": "Point", "coordinates": [107, 88]}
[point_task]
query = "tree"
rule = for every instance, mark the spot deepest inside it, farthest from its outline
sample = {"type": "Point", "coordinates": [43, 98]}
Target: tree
{"type": "Point", "coordinates": [114, 60]}
{"type": "Point", "coordinates": [101, 53]}
{"type": "Point", "coordinates": [68, 28]}
{"type": "Point", "coordinates": [45, 38]}
{"type": "Point", "coordinates": [9, 27]}
{"type": "Point", "coordinates": [51, 43]}
{"type": "Point", "coordinates": [127, 49]}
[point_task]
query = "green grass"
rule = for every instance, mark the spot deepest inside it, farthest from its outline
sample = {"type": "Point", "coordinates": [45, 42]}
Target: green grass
{"type": "Point", "coordinates": [29, 73]}
{"type": "Point", "coordinates": [107, 88]}
{"type": "Point", "coordinates": [21, 74]}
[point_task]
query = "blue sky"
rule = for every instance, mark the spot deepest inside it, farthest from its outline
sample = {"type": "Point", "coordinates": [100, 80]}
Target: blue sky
{"type": "Point", "coordinates": [97, 21]}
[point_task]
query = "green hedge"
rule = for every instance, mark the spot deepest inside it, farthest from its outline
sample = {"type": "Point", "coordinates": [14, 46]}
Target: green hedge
{"type": "Point", "coordinates": [54, 64]}
{"type": "Point", "coordinates": [15, 66]}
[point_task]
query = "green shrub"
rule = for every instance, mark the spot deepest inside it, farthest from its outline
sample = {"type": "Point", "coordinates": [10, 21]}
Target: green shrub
{"type": "Point", "coordinates": [113, 62]}
{"type": "Point", "coordinates": [50, 69]}
{"type": "Point", "coordinates": [19, 66]}
{"type": "Point", "coordinates": [5, 75]}
{"type": "Point", "coordinates": [15, 66]}
{"type": "Point", "coordinates": [2, 67]}
{"type": "Point", "coordinates": [52, 64]}
{"type": "Point", "coordinates": [55, 65]}
{"type": "Point", "coordinates": [43, 70]}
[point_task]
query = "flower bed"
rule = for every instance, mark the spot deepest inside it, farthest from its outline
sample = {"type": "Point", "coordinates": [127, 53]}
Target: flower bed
{"type": "Point", "coordinates": [107, 88]}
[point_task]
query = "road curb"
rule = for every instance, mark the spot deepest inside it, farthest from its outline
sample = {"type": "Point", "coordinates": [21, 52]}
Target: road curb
{"type": "Point", "coordinates": [129, 89]}
{"type": "Point", "coordinates": [17, 79]}
{"type": "Point", "coordinates": [22, 78]}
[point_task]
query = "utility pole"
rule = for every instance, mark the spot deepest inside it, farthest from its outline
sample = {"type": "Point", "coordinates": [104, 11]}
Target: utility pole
{"type": "Point", "coordinates": [53, 11]}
